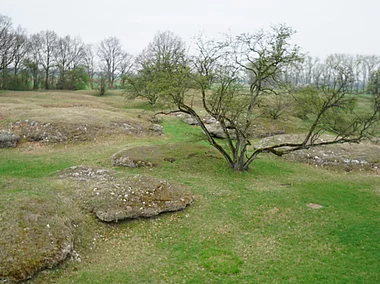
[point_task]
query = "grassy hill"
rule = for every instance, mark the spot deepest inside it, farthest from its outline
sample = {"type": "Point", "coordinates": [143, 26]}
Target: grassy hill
{"type": "Point", "coordinates": [280, 222]}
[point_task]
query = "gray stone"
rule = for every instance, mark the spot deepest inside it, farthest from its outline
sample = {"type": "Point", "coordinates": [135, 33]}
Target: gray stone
{"type": "Point", "coordinates": [217, 131]}
{"type": "Point", "coordinates": [209, 120]}
{"type": "Point", "coordinates": [8, 140]}
{"type": "Point", "coordinates": [157, 129]}
{"type": "Point", "coordinates": [190, 121]}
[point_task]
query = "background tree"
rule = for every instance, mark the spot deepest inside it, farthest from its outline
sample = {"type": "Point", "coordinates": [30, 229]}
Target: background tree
{"type": "Point", "coordinates": [162, 69]}
{"type": "Point", "coordinates": [76, 78]}
{"type": "Point", "coordinates": [126, 65]}
{"type": "Point", "coordinates": [89, 62]}
{"type": "Point", "coordinates": [110, 54]}
{"type": "Point", "coordinates": [32, 62]}
{"type": "Point", "coordinates": [69, 54]}
{"type": "Point", "coordinates": [6, 44]}
{"type": "Point", "coordinates": [47, 43]}
{"type": "Point", "coordinates": [102, 84]}
{"type": "Point", "coordinates": [373, 87]}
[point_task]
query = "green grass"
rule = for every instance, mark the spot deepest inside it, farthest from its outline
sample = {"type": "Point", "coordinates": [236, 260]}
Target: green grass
{"type": "Point", "coordinates": [251, 227]}
{"type": "Point", "coordinates": [32, 167]}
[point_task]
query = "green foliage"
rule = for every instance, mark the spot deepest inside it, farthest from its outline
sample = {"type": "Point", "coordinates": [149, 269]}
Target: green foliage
{"type": "Point", "coordinates": [74, 79]}
{"type": "Point", "coordinates": [310, 100]}
{"type": "Point", "coordinates": [163, 70]}
{"type": "Point", "coordinates": [276, 106]}
{"type": "Point", "coordinates": [307, 101]}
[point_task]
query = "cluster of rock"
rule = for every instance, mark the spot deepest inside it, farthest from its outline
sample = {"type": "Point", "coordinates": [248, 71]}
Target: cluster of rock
{"type": "Point", "coordinates": [213, 126]}
{"type": "Point", "coordinates": [363, 156]}
{"type": "Point", "coordinates": [35, 131]}
{"type": "Point", "coordinates": [215, 129]}
{"type": "Point", "coordinates": [119, 160]}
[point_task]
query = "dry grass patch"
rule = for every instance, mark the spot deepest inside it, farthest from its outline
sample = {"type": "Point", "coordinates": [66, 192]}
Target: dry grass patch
{"type": "Point", "coordinates": [63, 116]}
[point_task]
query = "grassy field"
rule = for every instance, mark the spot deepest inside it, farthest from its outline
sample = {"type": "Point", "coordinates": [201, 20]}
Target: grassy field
{"type": "Point", "coordinates": [280, 222]}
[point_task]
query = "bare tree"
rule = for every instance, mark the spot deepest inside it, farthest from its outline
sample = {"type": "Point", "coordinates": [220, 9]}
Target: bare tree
{"type": "Point", "coordinates": [45, 44]}
{"type": "Point", "coordinates": [110, 53]}
{"type": "Point", "coordinates": [263, 56]}
{"type": "Point", "coordinates": [20, 50]}
{"type": "Point", "coordinates": [369, 64]}
{"type": "Point", "coordinates": [89, 62]}
{"type": "Point", "coordinates": [6, 44]}
{"type": "Point", "coordinates": [69, 53]}
{"type": "Point", "coordinates": [126, 65]}
{"type": "Point", "coordinates": [32, 63]}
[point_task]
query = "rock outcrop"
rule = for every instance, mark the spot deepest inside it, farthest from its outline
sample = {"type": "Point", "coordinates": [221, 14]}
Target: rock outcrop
{"type": "Point", "coordinates": [112, 198]}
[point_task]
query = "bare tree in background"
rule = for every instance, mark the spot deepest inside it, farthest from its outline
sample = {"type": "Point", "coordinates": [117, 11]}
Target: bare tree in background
{"type": "Point", "coordinates": [6, 44]}
{"type": "Point", "coordinates": [47, 44]}
{"type": "Point", "coordinates": [20, 49]}
{"type": "Point", "coordinates": [89, 62]}
{"type": "Point", "coordinates": [126, 65]}
{"type": "Point", "coordinates": [68, 54]}
{"type": "Point", "coordinates": [32, 63]}
{"type": "Point", "coordinates": [369, 64]}
{"type": "Point", "coordinates": [110, 54]}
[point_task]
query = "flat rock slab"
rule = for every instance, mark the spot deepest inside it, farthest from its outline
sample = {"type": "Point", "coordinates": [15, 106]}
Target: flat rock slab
{"type": "Point", "coordinates": [112, 198]}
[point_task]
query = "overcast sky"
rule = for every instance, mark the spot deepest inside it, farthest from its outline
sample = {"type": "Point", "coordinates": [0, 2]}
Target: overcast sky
{"type": "Point", "coordinates": [323, 26]}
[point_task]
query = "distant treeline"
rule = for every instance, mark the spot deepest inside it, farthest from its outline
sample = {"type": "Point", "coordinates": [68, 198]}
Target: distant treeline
{"type": "Point", "coordinates": [47, 61]}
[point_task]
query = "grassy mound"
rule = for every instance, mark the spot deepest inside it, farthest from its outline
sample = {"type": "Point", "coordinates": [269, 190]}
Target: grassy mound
{"type": "Point", "coordinates": [40, 235]}
{"type": "Point", "coordinates": [154, 155]}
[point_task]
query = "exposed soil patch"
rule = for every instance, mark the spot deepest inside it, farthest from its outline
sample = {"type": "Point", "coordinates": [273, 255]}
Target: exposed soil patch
{"type": "Point", "coordinates": [113, 198]}
{"type": "Point", "coordinates": [314, 206]}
